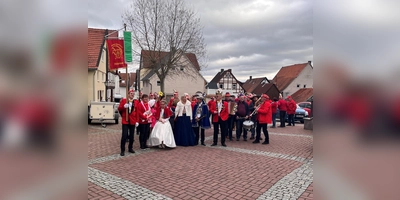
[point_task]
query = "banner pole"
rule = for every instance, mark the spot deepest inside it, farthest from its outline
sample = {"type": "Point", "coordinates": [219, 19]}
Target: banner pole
{"type": "Point", "coordinates": [127, 84]}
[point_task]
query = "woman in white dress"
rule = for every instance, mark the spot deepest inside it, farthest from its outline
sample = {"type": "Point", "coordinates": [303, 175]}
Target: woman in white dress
{"type": "Point", "coordinates": [162, 134]}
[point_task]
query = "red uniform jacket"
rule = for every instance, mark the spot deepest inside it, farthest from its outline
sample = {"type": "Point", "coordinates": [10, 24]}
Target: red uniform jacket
{"type": "Point", "coordinates": [171, 101]}
{"type": "Point", "coordinates": [209, 103]}
{"type": "Point", "coordinates": [194, 103]}
{"type": "Point", "coordinates": [224, 111]}
{"type": "Point", "coordinates": [274, 106]}
{"type": "Point", "coordinates": [167, 113]}
{"type": "Point", "coordinates": [132, 116]}
{"type": "Point", "coordinates": [282, 105]}
{"type": "Point", "coordinates": [264, 113]}
{"type": "Point", "coordinates": [291, 107]}
{"type": "Point", "coordinates": [141, 108]}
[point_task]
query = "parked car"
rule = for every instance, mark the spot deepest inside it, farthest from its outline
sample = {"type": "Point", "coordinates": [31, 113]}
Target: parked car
{"type": "Point", "coordinates": [300, 114]}
{"type": "Point", "coordinates": [306, 106]}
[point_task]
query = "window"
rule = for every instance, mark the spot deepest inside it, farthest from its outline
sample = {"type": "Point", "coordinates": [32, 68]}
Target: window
{"type": "Point", "coordinates": [304, 86]}
{"type": "Point", "coordinates": [100, 95]}
{"type": "Point", "coordinates": [298, 85]}
{"type": "Point", "coordinates": [221, 86]}
{"type": "Point", "coordinates": [234, 86]}
{"type": "Point", "coordinates": [158, 83]}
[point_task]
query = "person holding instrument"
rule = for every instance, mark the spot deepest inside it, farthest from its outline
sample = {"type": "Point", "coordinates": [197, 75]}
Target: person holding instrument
{"type": "Point", "coordinates": [242, 114]}
{"type": "Point", "coordinates": [264, 116]}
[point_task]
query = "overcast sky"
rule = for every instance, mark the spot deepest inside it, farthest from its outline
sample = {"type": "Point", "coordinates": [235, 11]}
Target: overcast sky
{"type": "Point", "coordinates": [253, 37]}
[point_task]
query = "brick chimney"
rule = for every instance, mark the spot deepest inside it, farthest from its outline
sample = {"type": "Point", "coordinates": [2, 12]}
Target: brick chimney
{"type": "Point", "coordinates": [251, 77]}
{"type": "Point", "coordinates": [309, 62]}
{"type": "Point", "coordinates": [222, 70]}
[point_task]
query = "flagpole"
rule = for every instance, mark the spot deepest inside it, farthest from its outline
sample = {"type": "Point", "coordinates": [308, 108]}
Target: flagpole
{"type": "Point", "coordinates": [127, 83]}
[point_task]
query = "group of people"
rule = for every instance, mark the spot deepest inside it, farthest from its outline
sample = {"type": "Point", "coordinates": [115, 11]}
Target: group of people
{"type": "Point", "coordinates": [183, 120]}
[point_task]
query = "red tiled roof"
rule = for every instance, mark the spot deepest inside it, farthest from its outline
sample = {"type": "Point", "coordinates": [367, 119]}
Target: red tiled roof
{"type": "Point", "coordinates": [287, 74]}
{"type": "Point", "coordinates": [147, 55]}
{"type": "Point", "coordinates": [251, 84]}
{"type": "Point", "coordinates": [302, 94]}
{"type": "Point", "coordinates": [95, 43]}
{"type": "Point", "coordinates": [131, 80]}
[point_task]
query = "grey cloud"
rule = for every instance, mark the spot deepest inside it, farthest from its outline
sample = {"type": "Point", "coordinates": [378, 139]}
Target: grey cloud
{"type": "Point", "coordinates": [250, 37]}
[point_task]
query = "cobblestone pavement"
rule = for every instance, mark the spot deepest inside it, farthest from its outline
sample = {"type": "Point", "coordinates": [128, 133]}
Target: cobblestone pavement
{"type": "Point", "coordinates": [242, 170]}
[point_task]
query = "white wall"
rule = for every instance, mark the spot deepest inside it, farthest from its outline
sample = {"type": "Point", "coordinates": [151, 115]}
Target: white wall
{"type": "Point", "coordinates": [180, 81]}
{"type": "Point", "coordinates": [304, 78]}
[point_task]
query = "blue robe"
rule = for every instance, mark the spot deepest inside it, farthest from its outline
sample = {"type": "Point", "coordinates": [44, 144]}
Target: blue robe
{"type": "Point", "coordinates": [204, 123]}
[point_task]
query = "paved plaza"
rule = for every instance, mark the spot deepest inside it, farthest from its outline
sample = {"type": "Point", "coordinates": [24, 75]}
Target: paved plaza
{"type": "Point", "coordinates": [242, 170]}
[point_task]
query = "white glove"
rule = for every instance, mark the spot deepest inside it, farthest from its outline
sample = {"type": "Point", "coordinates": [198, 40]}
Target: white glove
{"type": "Point", "coordinates": [126, 105]}
{"type": "Point", "coordinates": [137, 124]}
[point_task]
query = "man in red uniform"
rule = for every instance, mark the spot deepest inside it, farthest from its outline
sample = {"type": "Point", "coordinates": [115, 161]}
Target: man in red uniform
{"type": "Point", "coordinates": [291, 110]}
{"type": "Point", "coordinates": [144, 114]}
{"type": "Point", "coordinates": [264, 116]}
{"type": "Point", "coordinates": [274, 107]}
{"type": "Point", "coordinates": [219, 111]}
{"type": "Point", "coordinates": [171, 101]}
{"type": "Point", "coordinates": [282, 106]}
{"type": "Point", "coordinates": [128, 106]}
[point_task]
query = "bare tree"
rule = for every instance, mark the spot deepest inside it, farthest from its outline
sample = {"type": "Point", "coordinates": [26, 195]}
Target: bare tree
{"type": "Point", "coordinates": [168, 30]}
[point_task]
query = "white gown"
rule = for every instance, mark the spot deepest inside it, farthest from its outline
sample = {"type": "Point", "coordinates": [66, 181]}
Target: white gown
{"type": "Point", "coordinates": [162, 133]}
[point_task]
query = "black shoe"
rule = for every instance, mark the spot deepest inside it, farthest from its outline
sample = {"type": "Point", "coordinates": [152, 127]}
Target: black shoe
{"type": "Point", "coordinates": [256, 141]}
{"type": "Point", "coordinates": [237, 139]}
{"type": "Point", "coordinates": [288, 125]}
{"type": "Point", "coordinates": [265, 142]}
{"type": "Point", "coordinates": [122, 154]}
{"type": "Point", "coordinates": [272, 127]}
{"type": "Point", "coordinates": [214, 144]}
{"type": "Point", "coordinates": [245, 139]}
{"type": "Point", "coordinates": [251, 138]}
{"type": "Point", "coordinates": [224, 145]}
{"type": "Point", "coordinates": [230, 140]}
{"type": "Point", "coordinates": [203, 144]}
{"type": "Point", "coordinates": [131, 151]}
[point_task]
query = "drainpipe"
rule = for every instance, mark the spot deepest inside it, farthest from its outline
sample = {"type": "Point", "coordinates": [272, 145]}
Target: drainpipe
{"type": "Point", "coordinates": [94, 88]}
{"type": "Point", "coordinates": [151, 87]}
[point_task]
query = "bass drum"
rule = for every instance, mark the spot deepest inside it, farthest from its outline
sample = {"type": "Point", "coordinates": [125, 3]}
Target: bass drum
{"type": "Point", "coordinates": [248, 124]}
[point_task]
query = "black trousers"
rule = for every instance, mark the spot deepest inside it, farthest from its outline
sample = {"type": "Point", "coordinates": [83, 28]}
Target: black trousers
{"type": "Point", "coordinates": [229, 126]}
{"type": "Point", "coordinates": [265, 131]}
{"type": "Point", "coordinates": [127, 135]}
{"type": "Point", "coordinates": [220, 124]}
{"type": "Point", "coordinates": [282, 117]}
{"type": "Point", "coordinates": [196, 131]}
{"type": "Point", "coordinates": [291, 119]}
{"type": "Point", "coordinates": [144, 135]}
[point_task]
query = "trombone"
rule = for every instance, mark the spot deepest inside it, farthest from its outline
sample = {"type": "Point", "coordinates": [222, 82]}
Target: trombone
{"type": "Point", "coordinates": [256, 109]}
